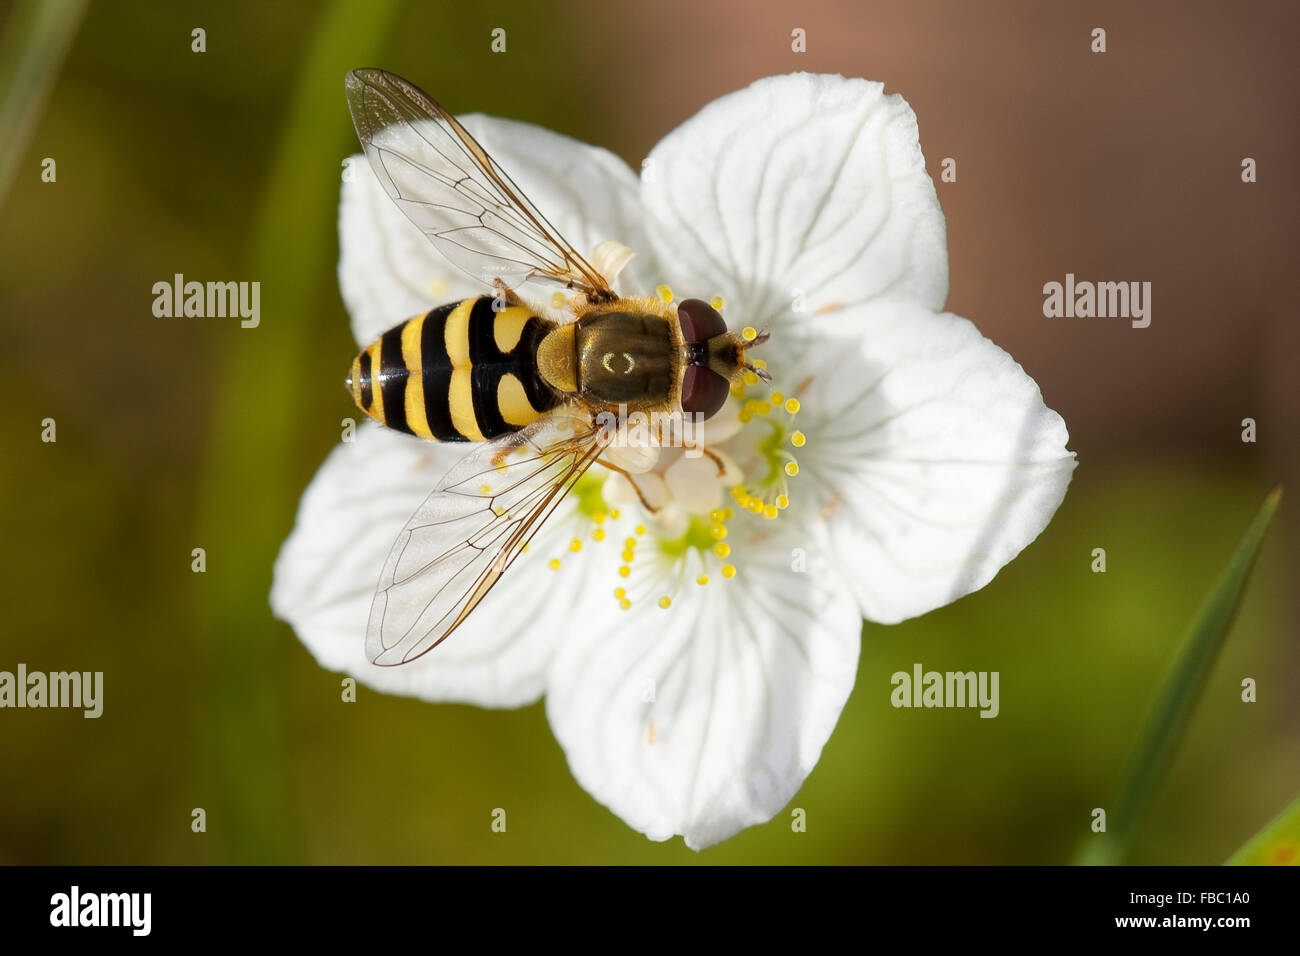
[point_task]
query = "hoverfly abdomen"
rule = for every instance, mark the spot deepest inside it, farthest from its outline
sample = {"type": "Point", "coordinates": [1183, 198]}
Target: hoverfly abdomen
{"type": "Point", "coordinates": [461, 372]}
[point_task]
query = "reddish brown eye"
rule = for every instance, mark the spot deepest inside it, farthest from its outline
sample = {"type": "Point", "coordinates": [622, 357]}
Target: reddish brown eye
{"type": "Point", "coordinates": [699, 320]}
{"type": "Point", "coordinates": [703, 391]}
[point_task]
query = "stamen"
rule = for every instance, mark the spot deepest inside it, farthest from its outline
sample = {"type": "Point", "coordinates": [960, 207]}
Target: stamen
{"type": "Point", "coordinates": [665, 293]}
{"type": "Point", "coordinates": [716, 302]}
{"type": "Point", "coordinates": [749, 333]}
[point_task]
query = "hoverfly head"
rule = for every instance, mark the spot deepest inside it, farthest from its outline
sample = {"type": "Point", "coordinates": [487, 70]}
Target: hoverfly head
{"type": "Point", "coordinates": [715, 357]}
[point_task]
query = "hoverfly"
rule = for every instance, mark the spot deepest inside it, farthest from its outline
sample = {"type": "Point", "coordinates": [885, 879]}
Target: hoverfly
{"type": "Point", "coordinates": [494, 370]}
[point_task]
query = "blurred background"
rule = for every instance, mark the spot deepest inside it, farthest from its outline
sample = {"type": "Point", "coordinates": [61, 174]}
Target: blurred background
{"type": "Point", "coordinates": [176, 434]}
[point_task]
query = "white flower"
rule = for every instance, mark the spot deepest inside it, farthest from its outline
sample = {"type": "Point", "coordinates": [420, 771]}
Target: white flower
{"type": "Point", "coordinates": [926, 459]}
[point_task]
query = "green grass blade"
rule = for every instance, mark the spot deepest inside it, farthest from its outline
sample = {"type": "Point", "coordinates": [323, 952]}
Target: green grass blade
{"type": "Point", "coordinates": [35, 42]}
{"type": "Point", "coordinates": [251, 485]}
{"type": "Point", "coordinates": [1177, 697]}
{"type": "Point", "coordinates": [1278, 844]}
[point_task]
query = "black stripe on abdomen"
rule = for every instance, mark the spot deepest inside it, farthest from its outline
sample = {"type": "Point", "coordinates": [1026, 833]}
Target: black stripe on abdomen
{"type": "Point", "coordinates": [367, 393]}
{"type": "Point", "coordinates": [436, 365]}
{"type": "Point", "coordinates": [392, 379]}
{"type": "Point", "coordinates": [523, 361]}
{"type": "Point", "coordinates": [488, 363]}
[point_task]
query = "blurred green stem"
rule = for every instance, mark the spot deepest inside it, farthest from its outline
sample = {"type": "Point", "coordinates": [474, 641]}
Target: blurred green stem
{"type": "Point", "coordinates": [1177, 698]}
{"type": "Point", "coordinates": [250, 489]}
{"type": "Point", "coordinates": [35, 42]}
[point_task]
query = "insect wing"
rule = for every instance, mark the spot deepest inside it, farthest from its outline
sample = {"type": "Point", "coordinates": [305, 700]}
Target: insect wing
{"type": "Point", "coordinates": [469, 530]}
{"type": "Point", "coordinates": [458, 196]}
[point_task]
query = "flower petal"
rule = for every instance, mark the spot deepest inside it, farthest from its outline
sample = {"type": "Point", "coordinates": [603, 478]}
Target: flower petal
{"type": "Point", "coordinates": [931, 456]}
{"type": "Point", "coordinates": [706, 718]}
{"type": "Point", "coordinates": [389, 271]}
{"type": "Point", "coordinates": [327, 570]}
{"type": "Point", "coordinates": [800, 192]}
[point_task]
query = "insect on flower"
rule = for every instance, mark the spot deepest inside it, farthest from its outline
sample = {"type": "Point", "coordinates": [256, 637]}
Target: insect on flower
{"type": "Point", "coordinates": [541, 395]}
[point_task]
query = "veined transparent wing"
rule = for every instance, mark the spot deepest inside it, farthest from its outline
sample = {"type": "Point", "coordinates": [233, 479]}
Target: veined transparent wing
{"type": "Point", "coordinates": [471, 528]}
{"type": "Point", "coordinates": [449, 186]}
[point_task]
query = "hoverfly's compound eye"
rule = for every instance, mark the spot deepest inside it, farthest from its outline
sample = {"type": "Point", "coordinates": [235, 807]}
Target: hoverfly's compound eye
{"type": "Point", "coordinates": [699, 321]}
{"type": "Point", "coordinates": [703, 391]}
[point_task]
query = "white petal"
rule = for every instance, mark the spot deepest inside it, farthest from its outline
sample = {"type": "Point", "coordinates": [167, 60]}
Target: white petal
{"type": "Point", "coordinates": [706, 718]}
{"type": "Point", "coordinates": [800, 191]}
{"type": "Point", "coordinates": [695, 484]}
{"type": "Point", "coordinates": [327, 570]}
{"type": "Point", "coordinates": [389, 271]}
{"type": "Point", "coordinates": [931, 455]}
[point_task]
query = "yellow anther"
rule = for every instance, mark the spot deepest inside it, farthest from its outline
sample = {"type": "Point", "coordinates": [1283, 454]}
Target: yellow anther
{"type": "Point", "coordinates": [702, 580]}
{"type": "Point", "coordinates": [737, 491]}
{"type": "Point", "coordinates": [716, 516]}
{"type": "Point", "coordinates": [792, 468]}
{"type": "Point", "coordinates": [665, 602]}
{"type": "Point", "coordinates": [722, 549]}
{"type": "Point", "coordinates": [620, 593]}
{"type": "Point", "coordinates": [553, 564]}
{"type": "Point", "coordinates": [746, 417]}
{"type": "Point", "coordinates": [782, 501]}
{"type": "Point", "coordinates": [750, 378]}
{"type": "Point", "coordinates": [557, 300]}
{"type": "Point", "coordinates": [624, 571]}
{"type": "Point", "coordinates": [719, 531]}
{"type": "Point", "coordinates": [792, 405]}
{"type": "Point", "coordinates": [629, 543]}
{"type": "Point", "coordinates": [777, 398]}
{"type": "Point", "coordinates": [769, 511]}
{"type": "Point", "coordinates": [664, 293]}
{"type": "Point", "coordinates": [625, 604]}
{"type": "Point", "coordinates": [614, 513]}
{"type": "Point", "coordinates": [749, 333]}
{"type": "Point", "coordinates": [798, 439]}
{"type": "Point", "coordinates": [716, 302]}
{"type": "Point", "coordinates": [763, 408]}
{"type": "Point", "coordinates": [575, 545]}
{"type": "Point", "coordinates": [754, 504]}
{"type": "Point", "coordinates": [599, 518]}
{"type": "Point", "coordinates": [759, 363]}
{"type": "Point", "coordinates": [598, 534]}
{"type": "Point", "coordinates": [640, 529]}
{"type": "Point", "coordinates": [728, 570]}
{"type": "Point", "coordinates": [628, 555]}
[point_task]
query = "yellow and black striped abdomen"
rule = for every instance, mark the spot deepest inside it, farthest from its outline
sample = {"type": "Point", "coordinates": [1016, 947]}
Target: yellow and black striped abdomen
{"type": "Point", "coordinates": [461, 372]}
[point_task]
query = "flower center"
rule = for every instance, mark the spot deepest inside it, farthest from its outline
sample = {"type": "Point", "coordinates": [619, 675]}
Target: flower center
{"type": "Point", "coordinates": [679, 502]}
